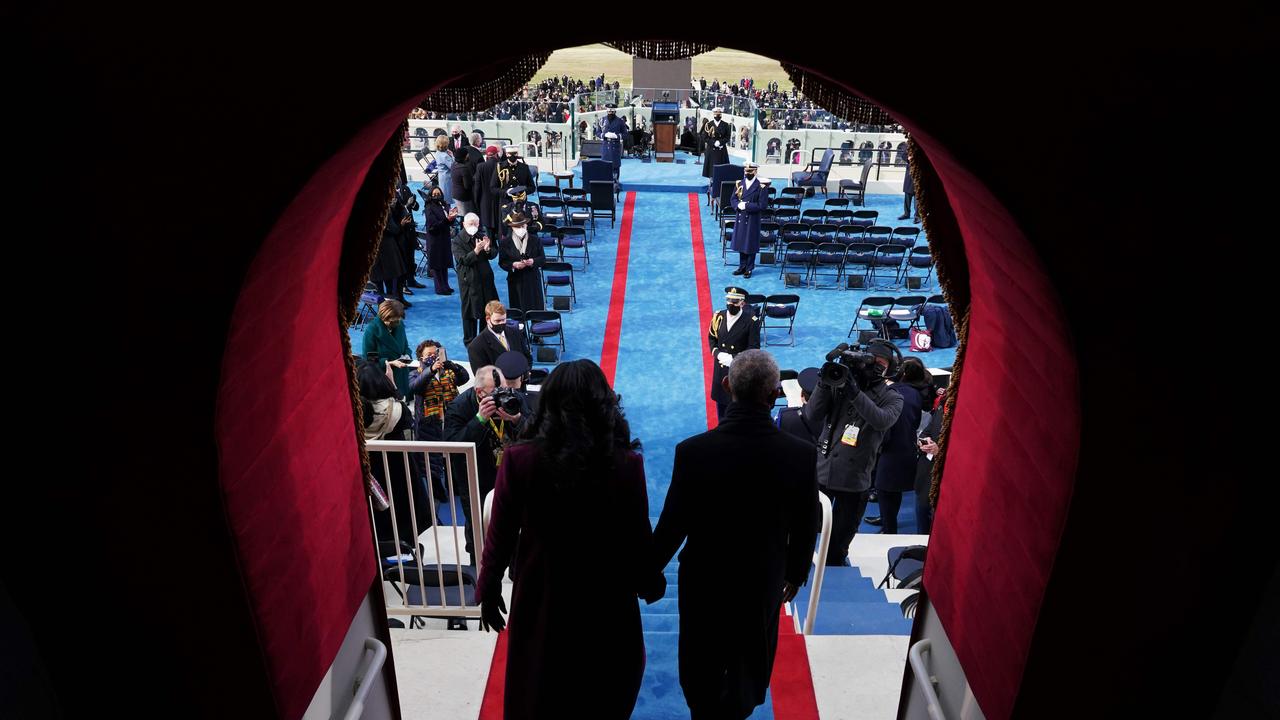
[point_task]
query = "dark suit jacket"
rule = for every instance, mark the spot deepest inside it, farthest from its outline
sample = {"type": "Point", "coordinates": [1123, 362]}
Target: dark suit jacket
{"type": "Point", "coordinates": [486, 348]}
{"type": "Point", "coordinates": [745, 496]}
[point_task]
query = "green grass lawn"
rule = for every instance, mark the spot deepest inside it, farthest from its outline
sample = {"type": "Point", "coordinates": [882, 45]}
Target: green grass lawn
{"type": "Point", "coordinates": [731, 65]}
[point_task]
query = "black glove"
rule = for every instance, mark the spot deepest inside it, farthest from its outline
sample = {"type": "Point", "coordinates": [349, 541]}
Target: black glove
{"type": "Point", "coordinates": [491, 613]}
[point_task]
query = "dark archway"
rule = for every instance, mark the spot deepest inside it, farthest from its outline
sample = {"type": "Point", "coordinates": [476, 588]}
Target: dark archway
{"type": "Point", "coordinates": [141, 87]}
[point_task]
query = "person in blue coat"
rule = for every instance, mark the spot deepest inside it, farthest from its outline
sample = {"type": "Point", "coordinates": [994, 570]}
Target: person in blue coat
{"type": "Point", "coordinates": [613, 130]}
{"type": "Point", "coordinates": [751, 200]}
{"type": "Point", "coordinates": [895, 471]}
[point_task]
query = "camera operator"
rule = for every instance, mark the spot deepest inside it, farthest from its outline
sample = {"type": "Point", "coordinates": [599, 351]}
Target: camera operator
{"type": "Point", "coordinates": [855, 408]}
{"type": "Point", "coordinates": [492, 415]}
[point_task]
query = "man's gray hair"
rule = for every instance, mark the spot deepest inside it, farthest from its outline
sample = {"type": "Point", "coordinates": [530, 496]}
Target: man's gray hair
{"type": "Point", "coordinates": [753, 377]}
{"type": "Point", "coordinates": [476, 140]}
{"type": "Point", "coordinates": [469, 217]}
{"type": "Point", "coordinates": [484, 377]}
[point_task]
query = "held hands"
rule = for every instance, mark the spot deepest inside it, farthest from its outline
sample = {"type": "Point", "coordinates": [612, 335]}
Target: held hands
{"type": "Point", "coordinates": [789, 592]}
{"type": "Point", "coordinates": [492, 613]}
{"type": "Point", "coordinates": [742, 206]}
{"type": "Point", "coordinates": [724, 358]}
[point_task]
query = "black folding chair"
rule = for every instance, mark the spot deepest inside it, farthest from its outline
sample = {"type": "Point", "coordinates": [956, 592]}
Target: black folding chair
{"type": "Point", "coordinates": [828, 261]}
{"type": "Point", "coordinates": [544, 324]}
{"type": "Point", "coordinates": [603, 202]}
{"type": "Point", "coordinates": [907, 309]}
{"type": "Point", "coordinates": [888, 257]}
{"type": "Point", "coordinates": [559, 275]}
{"type": "Point", "coordinates": [573, 245]}
{"type": "Point", "coordinates": [799, 255]}
{"type": "Point", "coordinates": [868, 309]}
{"type": "Point", "coordinates": [780, 307]}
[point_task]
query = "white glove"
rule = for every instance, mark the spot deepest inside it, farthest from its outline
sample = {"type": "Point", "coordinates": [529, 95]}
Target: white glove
{"type": "Point", "coordinates": [724, 358]}
{"type": "Point", "coordinates": [742, 206]}
{"type": "Point", "coordinates": [717, 143]}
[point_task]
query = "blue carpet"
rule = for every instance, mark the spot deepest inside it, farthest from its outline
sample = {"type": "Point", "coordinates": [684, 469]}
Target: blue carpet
{"type": "Point", "coordinates": [851, 605]}
{"type": "Point", "coordinates": [658, 177]}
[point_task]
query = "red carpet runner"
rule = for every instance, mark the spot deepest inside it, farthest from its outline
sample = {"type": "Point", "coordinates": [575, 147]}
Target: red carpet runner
{"type": "Point", "coordinates": [704, 303]}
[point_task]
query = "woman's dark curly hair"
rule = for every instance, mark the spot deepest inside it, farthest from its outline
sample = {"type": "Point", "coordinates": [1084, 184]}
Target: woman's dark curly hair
{"type": "Point", "coordinates": [580, 428]}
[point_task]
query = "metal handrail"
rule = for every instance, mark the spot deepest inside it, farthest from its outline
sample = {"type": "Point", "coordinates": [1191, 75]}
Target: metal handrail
{"type": "Point", "coordinates": [404, 449]}
{"type": "Point", "coordinates": [924, 680]}
{"type": "Point", "coordinates": [360, 689]}
{"type": "Point", "coordinates": [824, 544]}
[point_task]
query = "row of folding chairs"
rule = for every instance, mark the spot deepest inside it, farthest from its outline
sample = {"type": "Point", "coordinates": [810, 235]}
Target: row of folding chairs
{"type": "Point", "coordinates": [581, 204]}
{"type": "Point", "coordinates": [839, 261]}
{"type": "Point", "coordinates": [771, 231]}
{"type": "Point", "coordinates": [780, 308]}
{"type": "Point", "coordinates": [538, 326]}
{"type": "Point", "coordinates": [907, 310]}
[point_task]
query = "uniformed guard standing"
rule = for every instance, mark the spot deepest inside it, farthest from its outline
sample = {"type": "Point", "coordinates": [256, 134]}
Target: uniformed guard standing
{"type": "Point", "coordinates": [750, 200]}
{"type": "Point", "coordinates": [612, 131]}
{"type": "Point", "coordinates": [732, 331]}
{"type": "Point", "coordinates": [511, 172]}
{"type": "Point", "coordinates": [518, 201]}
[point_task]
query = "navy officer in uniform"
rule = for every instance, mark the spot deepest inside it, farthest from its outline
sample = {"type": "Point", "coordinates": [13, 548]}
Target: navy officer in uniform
{"type": "Point", "coordinates": [732, 330]}
{"type": "Point", "coordinates": [511, 172]}
{"type": "Point", "coordinates": [518, 201]}
{"type": "Point", "coordinates": [613, 129]}
{"type": "Point", "coordinates": [751, 199]}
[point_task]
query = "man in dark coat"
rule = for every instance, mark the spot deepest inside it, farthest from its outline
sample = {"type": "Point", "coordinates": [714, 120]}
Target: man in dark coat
{"type": "Point", "coordinates": [715, 144]}
{"type": "Point", "coordinates": [510, 172]}
{"type": "Point", "coordinates": [751, 200]}
{"type": "Point", "coordinates": [496, 338]}
{"type": "Point", "coordinates": [472, 251]}
{"type": "Point", "coordinates": [484, 191]}
{"type": "Point", "coordinates": [474, 417]}
{"type": "Point", "coordinates": [613, 130]}
{"type": "Point", "coordinates": [520, 254]}
{"type": "Point", "coordinates": [732, 330]}
{"type": "Point", "coordinates": [854, 418]}
{"type": "Point", "coordinates": [467, 160]}
{"type": "Point", "coordinates": [744, 495]}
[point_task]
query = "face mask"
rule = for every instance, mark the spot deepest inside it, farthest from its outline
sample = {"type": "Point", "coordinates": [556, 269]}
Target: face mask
{"type": "Point", "coordinates": [751, 175]}
{"type": "Point", "coordinates": [734, 309]}
{"type": "Point", "coordinates": [471, 230]}
{"type": "Point", "coordinates": [717, 117]}
{"type": "Point", "coordinates": [499, 329]}
{"type": "Point", "coordinates": [519, 232]}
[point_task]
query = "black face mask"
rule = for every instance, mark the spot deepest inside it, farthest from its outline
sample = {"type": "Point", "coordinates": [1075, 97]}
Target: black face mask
{"type": "Point", "coordinates": [750, 175]}
{"type": "Point", "coordinates": [734, 309]}
{"type": "Point", "coordinates": [499, 329]}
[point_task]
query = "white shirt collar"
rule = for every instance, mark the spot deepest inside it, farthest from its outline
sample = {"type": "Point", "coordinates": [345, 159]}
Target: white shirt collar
{"type": "Point", "coordinates": [730, 318]}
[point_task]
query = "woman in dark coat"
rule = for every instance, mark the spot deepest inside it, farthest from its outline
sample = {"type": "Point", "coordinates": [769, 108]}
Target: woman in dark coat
{"type": "Point", "coordinates": [563, 655]}
{"type": "Point", "coordinates": [439, 221]}
{"type": "Point", "coordinates": [389, 266]}
{"type": "Point", "coordinates": [522, 258]}
{"type": "Point", "coordinates": [385, 338]}
{"type": "Point", "coordinates": [461, 178]}
{"type": "Point", "coordinates": [896, 468]}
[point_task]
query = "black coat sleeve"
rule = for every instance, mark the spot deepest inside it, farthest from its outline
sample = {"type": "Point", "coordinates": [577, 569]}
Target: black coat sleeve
{"type": "Point", "coordinates": [880, 418]}
{"type": "Point", "coordinates": [802, 518]}
{"type": "Point", "coordinates": [673, 524]}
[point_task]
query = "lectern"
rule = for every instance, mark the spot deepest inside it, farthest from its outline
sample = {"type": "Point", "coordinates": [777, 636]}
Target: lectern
{"type": "Point", "coordinates": [666, 116]}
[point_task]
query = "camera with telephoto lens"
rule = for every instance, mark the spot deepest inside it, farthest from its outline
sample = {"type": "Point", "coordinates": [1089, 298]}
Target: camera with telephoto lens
{"type": "Point", "coordinates": [507, 399]}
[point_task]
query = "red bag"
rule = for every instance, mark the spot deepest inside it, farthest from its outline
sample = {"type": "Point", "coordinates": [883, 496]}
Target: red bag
{"type": "Point", "coordinates": [921, 340]}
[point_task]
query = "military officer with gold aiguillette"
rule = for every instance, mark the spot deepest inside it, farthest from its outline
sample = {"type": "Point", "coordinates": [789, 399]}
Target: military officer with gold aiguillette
{"type": "Point", "coordinates": [734, 329]}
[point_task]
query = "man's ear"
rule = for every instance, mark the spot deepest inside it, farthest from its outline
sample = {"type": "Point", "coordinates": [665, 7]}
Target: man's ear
{"type": "Point", "coordinates": [724, 384]}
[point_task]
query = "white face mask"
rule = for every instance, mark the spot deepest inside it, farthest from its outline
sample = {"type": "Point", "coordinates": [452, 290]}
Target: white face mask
{"type": "Point", "coordinates": [471, 230]}
{"type": "Point", "coordinates": [519, 232]}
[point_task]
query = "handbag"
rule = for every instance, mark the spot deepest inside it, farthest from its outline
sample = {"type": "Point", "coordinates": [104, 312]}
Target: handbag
{"type": "Point", "coordinates": [921, 340]}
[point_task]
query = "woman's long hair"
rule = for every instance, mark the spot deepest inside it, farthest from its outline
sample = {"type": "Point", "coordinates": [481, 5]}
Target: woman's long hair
{"type": "Point", "coordinates": [580, 428]}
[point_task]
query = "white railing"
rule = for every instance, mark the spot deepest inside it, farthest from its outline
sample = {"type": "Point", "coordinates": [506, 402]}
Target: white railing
{"type": "Point", "coordinates": [365, 678]}
{"type": "Point", "coordinates": [417, 573]}
{"type": "Point", "coordinates": [924, 679]}
{"type": "Point", "coordinates": [820, 559]}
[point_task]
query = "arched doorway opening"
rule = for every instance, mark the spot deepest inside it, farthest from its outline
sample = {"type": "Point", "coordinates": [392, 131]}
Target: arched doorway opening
{"type": "Point", "coordinates": [1003, 272]}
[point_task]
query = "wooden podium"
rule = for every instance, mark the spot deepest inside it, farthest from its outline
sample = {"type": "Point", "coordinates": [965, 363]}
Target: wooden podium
{"type": "Point", "coordinates": [664, 141]}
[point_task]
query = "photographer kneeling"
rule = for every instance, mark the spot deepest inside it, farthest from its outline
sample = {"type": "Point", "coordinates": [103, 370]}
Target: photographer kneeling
{"type": "Point", "coordinates": [855, 408]}
{"type": "Point", "coordinates": [492, 415]}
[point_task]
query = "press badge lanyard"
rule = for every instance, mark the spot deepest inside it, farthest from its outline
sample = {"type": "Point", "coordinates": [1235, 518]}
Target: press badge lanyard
{"type": "Point", "coordinates": [497, 452]}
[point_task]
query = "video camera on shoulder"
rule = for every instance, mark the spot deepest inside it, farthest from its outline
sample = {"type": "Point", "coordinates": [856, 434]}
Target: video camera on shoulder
{"type": "Point", "coordinates": [858, 363]}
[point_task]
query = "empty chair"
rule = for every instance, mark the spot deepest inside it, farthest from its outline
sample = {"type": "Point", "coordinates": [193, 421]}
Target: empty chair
{"type": "Point", "coordinates": [792, 232]}
{"type": "Point", "coordinates": [370, 299]}
{"type": "Point", "coordinates": [907, 309]}
{"type": "Point", "coordinates": [549, 237]}
{"type": "Point", "coordinates": [850, 234]}
{"type": "Point", "coordinates": [864, 218]}
{"type": "Point", "coordinates": [839, 217]}
{"type": "Point", "coordinates": [857, 258]}
{"type": "Point", "coordinates": [888, 257]}
{"type": "Point", "coordinates": [813, 216]}
{"type": "Point", "coordinates": [873, 310]}
{"type": "Point", "coordinates": [726, 205]}
{"type": "Point", "coordinates": [559, 275]}
{"type": "Point", "coordinates": [828, 262]}
{"type": "Point", "coordinates": [856, 190]}
{"type": "Point", "coordinates": [768, 236]}
{"type": "Point", "coordinates": [797, 256]}
{"type": "Point", "coordinates": [835, 203]}
{"type": "Point", "coordinates": [824, 232]}
{"type": "Point", "coordinates": [919, 258]}
{"type": "Point", "coordinates": [786, 215]}
{"type": "Point", "coordinates": [515, 321]}
{"type": "Point", "coordinates": [878, 234]}
{"type": "Point", "coordinates": [573, 245]}
{"type": "Point", "coordinates": [580, 214]}
{"type": "Point", "coordinates": [575, 193]}
{"type": "Point", "coordinates": [553, 211]}
{"type": "Point", "coordinates": [603, 202]}
{"type": "Point", "coordinates": [546, 192]}
{"type": "Point", "coordinates": [781, 309]}
{"type": "Point", "coordinates": [907, 235]}
{"type": "Point", "coordinates": [787, 201]}
{"type": "Point", "coordinates": [794, 192]}
{"type": "Point", "coordinates": [544, 324]}
{"type": "Point", "coordinates": [815, 175]}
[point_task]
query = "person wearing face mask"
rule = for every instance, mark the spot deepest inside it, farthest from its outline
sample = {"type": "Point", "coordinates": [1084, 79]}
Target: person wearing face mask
{"type": "Point", "coordinates": [439, 221]}
{"type": "Point", "coordinates": [457, 140]}
{"type": "Point", "coordinates": [732, 331]}
{"type": "Point", "coordinates": [751, 198]}
{"type": "Point", "coordinates": [486, 198]}
{"type": "Point", "coordinates": [385, 340]}
{"type": "Point", "coordinates": [496, 338]}
{"type": "Point", "coordinates": [472, 251]}
{"type": "Point", "coordinates": [466, 160]}
{"type": "Point", "coordinates": [512, 172]}
{"type": "Point", "coordinates": [715, 144]}
{"type": "Point", "coordinates": [520, 254]}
